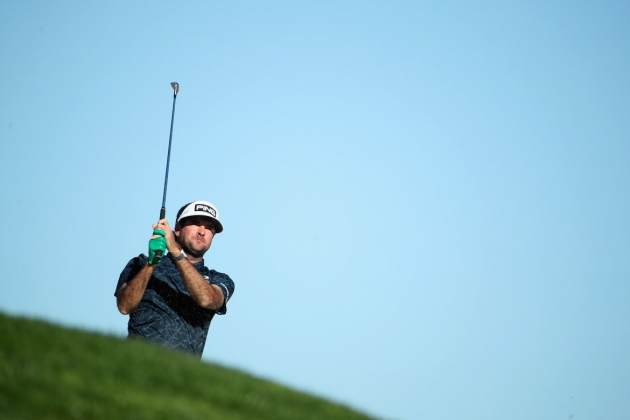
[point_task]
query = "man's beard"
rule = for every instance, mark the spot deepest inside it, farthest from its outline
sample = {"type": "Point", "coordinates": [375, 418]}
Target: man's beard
{"type": "Point", "coordinates": [193, 253]}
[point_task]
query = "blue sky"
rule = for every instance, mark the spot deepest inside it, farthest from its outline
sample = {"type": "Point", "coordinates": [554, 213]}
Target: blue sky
{"type": "Point", "coordinates": [425, 204]}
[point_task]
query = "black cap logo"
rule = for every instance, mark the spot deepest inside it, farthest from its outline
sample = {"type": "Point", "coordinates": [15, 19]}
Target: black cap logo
{"type": "Point", "coordinates": [206, 209]}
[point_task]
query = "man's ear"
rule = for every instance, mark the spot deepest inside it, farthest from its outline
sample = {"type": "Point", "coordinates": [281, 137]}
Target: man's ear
{"type": "Point", "coordinates": [177, 229]}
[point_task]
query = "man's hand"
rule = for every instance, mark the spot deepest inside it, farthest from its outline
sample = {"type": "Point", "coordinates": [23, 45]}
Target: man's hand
{"type": "Point", "coordinates": [156, 243]}
{"type": "Point", "coordinates": [171, 242]}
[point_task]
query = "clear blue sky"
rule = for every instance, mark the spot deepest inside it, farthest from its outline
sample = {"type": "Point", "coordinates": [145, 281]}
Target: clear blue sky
{"type": "Point", "coordinates": [426, 204]}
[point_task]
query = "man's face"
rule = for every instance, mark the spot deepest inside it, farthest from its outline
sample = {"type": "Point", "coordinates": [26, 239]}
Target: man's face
{"type": "Point", "coordinates": [195, 235]}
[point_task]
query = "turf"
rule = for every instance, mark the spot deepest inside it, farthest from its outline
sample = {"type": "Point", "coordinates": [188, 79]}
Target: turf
{"type": "Point", "coordinates": [51, 372]}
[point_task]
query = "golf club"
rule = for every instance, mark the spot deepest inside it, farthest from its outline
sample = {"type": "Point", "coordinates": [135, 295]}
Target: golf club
{"type": "Point", "coordinates": [175, 86]}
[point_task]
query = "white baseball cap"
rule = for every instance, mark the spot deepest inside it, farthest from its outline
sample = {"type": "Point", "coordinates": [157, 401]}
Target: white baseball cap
{"type": "Point", "coordinates": [201, 208]}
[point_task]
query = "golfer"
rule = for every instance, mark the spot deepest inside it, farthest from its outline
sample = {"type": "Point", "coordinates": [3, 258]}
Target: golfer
{"type": "Point", "coordinates": [172, 301]}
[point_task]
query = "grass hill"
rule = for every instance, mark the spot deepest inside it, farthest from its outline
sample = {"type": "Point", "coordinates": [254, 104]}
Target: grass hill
{"type": "Point", "coordinates": [50, 372]}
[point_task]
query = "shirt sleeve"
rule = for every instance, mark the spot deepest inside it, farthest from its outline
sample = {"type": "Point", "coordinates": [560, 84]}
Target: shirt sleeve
{"type": "Point", "coordinates": [226, 285]}
{"type": "Point", "coordinates": [132, 268]}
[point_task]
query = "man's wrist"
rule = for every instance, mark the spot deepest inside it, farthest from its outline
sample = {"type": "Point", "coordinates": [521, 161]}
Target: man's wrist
{"type": "Point", "coordinates": [180, 257]}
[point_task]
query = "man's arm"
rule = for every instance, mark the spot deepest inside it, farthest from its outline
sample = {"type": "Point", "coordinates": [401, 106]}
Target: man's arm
{"type": "Point", "coordinates": [206, 295]}
{"type": "Point", "coordinates": [130, 293]}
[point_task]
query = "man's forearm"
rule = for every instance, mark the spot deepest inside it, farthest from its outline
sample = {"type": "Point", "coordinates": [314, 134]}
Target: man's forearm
{"type": "Point", "coordinates": [202, 292]}
{"type": "Point", "coordinates": [130, 293]}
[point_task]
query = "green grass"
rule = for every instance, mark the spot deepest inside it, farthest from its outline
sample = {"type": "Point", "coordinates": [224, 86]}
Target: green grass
{"type": "Point", "coordinates": [50, 372]}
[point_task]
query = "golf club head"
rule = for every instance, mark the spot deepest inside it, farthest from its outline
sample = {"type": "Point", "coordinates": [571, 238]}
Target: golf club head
{"type": "Point", "coordinates": [175, 87]}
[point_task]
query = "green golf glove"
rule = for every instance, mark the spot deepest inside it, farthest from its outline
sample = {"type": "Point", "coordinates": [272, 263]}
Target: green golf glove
{"type": "Point", "coordinates": [156, 244]}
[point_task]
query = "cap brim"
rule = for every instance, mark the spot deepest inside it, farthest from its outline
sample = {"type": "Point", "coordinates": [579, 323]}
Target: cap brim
{"type": "Point", "coordinates": [217, 223]}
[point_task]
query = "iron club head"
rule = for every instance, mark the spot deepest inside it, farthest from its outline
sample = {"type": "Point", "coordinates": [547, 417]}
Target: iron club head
{"type": "Point", "coordinates": [175, 87]}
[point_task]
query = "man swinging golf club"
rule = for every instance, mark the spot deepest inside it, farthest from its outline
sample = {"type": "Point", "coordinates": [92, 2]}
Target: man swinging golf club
{"type": "Point", "coordinates": [171, 301]}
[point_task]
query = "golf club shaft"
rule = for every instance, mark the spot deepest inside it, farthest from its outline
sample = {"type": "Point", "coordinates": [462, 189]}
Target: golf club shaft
{"type": "Point", "coordinates": [175, 86]}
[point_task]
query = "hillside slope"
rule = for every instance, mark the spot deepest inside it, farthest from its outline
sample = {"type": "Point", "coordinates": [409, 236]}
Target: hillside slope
{"type": "Point", "coordinates": [50, 372]}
